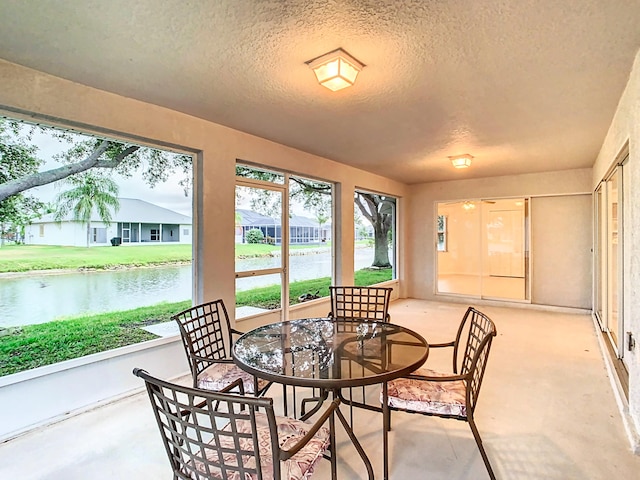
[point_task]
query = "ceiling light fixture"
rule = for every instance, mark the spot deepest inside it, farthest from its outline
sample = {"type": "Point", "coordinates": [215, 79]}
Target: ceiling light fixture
{"type": "Point", "coordinates": [461, 161]}
{"type": "Point", "coordinates": [336, 70]}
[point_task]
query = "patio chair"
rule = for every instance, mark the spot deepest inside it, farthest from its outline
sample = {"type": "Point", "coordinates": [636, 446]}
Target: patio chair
{"type": "Point", "coordinates": [223, 436]}
{"type": "Point", "coordinates": [363, 303]}
{"type": "Point", "coordinates": [367, 303]}
{"type": "Point", "coordinates": [207, 337]}
{"type": "Point", "coordinates": [444, 395]}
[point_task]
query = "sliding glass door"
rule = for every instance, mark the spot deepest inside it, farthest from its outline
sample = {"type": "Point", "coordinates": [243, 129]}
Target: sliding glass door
{"type": "Point", "coordinates": [482, 248]}
{"type": "Point", "coordinates": [609, 261]}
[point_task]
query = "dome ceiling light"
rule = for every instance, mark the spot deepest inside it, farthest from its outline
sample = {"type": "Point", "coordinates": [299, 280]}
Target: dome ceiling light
{"type": "Point", "coordinates": [461, 161]}
{"type": "Point", "coordinates": [336, 70]}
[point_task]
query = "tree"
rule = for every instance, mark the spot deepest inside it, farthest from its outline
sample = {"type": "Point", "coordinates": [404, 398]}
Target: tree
{"type": "Point", "coordinates": [85, 153]}
{"type": "Point", "coordinates": [91, 191]}
{"type": "Point", "coordinates": [17, 159]}
{"type": "Point", "coordinates": [321, 217]}
{"type": "Point", "coordinates": [316, 197]}
{"type": "Point", "coordinates": [16, 213]}
{"type": "Point", "coordinates": [372, 207]}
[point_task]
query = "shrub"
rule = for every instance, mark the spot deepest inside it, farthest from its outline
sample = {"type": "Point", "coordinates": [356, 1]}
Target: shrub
{"type": "Point", "coordinates": [254, 236]}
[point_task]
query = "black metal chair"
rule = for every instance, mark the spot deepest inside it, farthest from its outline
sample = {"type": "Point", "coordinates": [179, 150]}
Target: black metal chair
{"type": "Point", "coordinates": [448, 395]}
{"type": "Point", "coordinates": [367, 303]}
{"type": "Point", "coordinates": [223, 436]}
{"type": "Point", "coordinates": [370, 304]}
{"type": "Point", "coordinates": [207, 337]}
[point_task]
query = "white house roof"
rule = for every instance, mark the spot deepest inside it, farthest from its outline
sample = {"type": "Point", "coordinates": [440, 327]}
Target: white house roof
{"type": "Point", "coordinates": [133, 210]}
{"type": "Point", "coordinates": [249, 218]}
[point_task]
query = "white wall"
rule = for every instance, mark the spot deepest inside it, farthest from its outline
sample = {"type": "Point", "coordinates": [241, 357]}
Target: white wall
{"type": "Point", "coordinates": [74, 234]}
{"type": "Point", "coordinates": [625, 130]}
{"type": "Point", "coordinates": [34, 397]}
{"type": "Point", "coordinates": [70, 234]}
{"type": "Point", "coordinates": [562, 242]}
{"type": "Point", "coordinates": [186, 238]}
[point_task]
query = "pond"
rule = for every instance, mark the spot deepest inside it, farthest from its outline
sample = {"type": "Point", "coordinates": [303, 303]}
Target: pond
{"type": "Point", "coordinates": [28, 299]}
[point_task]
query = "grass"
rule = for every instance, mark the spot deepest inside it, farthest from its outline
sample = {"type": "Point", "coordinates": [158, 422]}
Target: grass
{"type": "Point", "coordinates": [269, 297]}
{"type": "Point", "coordinates": [32, 346]}
{"type": "Point", "coordinates": [24, 258]}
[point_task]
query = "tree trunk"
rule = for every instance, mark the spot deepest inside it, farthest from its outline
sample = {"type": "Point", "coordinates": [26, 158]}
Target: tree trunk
{"type": "Point", "coordinates": [381, 249]}
{"type": "Point", "coordinates": [88, 233]}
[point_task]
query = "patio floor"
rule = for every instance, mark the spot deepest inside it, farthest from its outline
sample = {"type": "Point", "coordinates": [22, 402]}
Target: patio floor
{"type": "Point", "coordinates": [546, 411]}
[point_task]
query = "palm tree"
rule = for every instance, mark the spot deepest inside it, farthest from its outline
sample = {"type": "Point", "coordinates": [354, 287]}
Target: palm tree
{"type": "Point", "coordinates": [91, 191]}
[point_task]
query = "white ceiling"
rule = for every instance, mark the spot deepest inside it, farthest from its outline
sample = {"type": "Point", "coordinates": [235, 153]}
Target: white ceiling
{"type": "Point", "coordinates": [522, 85]}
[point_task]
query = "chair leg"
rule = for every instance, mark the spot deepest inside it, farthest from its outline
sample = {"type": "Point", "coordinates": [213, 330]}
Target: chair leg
{"type": "Point", "coordinates": [386, 426]}
{"type": "Point", "coordinates": [285, 404]}
{"type": "Point", "coordinates": [476, 435]}
{"type": "Point", "coordinates": [333, 447]}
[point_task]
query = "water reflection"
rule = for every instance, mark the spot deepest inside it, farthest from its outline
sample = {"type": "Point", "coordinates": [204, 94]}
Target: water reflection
{"type": "Point", "coordinates": [38, 299]}
{"type": "Point", "coordinates": [26, 300]}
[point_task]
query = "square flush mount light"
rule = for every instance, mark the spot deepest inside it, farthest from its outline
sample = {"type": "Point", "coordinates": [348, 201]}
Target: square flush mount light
{"type": "Point", "coordinates": [336, 70]}
{"type": "Point", "coordinates": [461, 161]}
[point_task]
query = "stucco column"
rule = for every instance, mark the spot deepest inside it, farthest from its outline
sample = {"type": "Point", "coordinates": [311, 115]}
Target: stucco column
{"type": "Point", "coordinates": [344, 233]}
{"type": "Point", "coordinates": [214, 246]}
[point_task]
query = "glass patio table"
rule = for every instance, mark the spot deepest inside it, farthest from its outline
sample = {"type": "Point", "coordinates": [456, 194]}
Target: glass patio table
{"type": "Point", "coordinates": [332, 354]}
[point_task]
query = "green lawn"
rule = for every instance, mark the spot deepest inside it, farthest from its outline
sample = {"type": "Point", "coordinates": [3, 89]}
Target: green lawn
{"type": "Point", "coordinates": [23, 258]}
{"type": "Point", "coordinates": [34, 346]}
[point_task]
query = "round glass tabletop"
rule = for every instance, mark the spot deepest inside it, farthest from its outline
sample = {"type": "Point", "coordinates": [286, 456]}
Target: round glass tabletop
{"type": "Point", "coordinates": [330, 353]}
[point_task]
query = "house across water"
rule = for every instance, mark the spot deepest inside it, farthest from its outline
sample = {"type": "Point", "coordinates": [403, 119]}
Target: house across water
{"type": "Point", "coordinates": [135, 222]}
{"type": "Point", "coordinates": [302, 230]}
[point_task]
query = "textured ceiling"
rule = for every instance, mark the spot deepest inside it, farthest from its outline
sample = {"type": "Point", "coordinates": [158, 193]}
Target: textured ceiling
{"type": "Point", "coordinates": [522, 85]}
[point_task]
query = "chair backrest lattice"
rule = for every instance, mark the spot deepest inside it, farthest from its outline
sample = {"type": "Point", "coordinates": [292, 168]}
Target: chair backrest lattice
{"type": "Point", "coordinates": [206, 334]}
{"type": "Point", "coordinates": [480, 331]}
{"type": "Point", "coordinates": [209, 435]}
{"type": "Point", "coordinates": [367, 303]}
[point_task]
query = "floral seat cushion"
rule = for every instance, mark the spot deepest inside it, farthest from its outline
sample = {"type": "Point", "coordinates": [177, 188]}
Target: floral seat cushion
{"type": "Point", "coordinates": [290, 431]}
{"type": "Point", "coordinates": [219, 375]}
{"type": "Point", "coordinates": [438, 398]}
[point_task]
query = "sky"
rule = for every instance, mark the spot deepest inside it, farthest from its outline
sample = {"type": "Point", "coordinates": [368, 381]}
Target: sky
{"type": "Point", "coordinates": [168, 195]}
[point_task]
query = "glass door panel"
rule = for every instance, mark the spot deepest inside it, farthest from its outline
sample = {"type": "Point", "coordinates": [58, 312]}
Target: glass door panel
{"type": "Point", "coordinates": [459, 259]}
{"type": "Point", "coordinates": [601, 257]}
{"type": "Point", "coordinates": [482, 248]}
{"type": "Point", "coordinates": [504, 248]}
{"type": "Point", "coordinates": [259, 248]}
{"type": "Point", "coordinates": [258, 294]}
{"type": "Point", "coordinates": [612, 255]}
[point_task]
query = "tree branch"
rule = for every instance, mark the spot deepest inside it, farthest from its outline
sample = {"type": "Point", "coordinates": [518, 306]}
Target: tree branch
{"type": "Point", "coordinates": [368, 215]}
{"type": "Point", "coordinates": [18, 185]}
{"type": "Point", "coordinates": [324, 189]}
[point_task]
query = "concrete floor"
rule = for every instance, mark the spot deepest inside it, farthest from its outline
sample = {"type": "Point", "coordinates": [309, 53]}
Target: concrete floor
{"type": "Point", "coordinates": [546, 411]}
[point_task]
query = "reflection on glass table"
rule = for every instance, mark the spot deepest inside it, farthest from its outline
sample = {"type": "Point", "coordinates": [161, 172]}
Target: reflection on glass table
{"type": "Point", "coordinates": [331, 354]}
